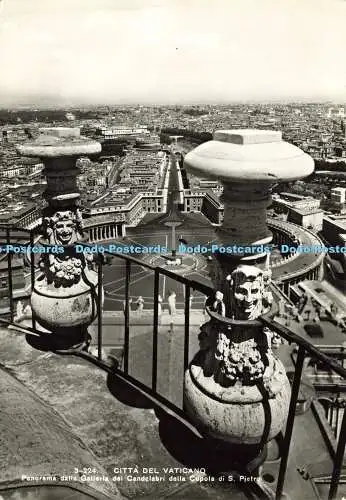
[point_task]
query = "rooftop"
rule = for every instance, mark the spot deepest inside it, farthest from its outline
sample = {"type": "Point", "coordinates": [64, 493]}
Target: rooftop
{"type": "Point", "coordinates": [340, 220]}
{"type": "Point", "coordinates": [307, 210]}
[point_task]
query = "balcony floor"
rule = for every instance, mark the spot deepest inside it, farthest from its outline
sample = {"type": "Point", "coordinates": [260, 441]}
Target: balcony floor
{"type": "Point", "coordinates": [116, 431]}
{"type": "Point", "coordinates": [120, 429]}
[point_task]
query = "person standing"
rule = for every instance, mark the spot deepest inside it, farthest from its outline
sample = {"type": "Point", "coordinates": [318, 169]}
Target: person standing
{"type": "Point", "coordinates": [172, 308]}
{"type": "Point", "coordinates": [172, 303]}
{"type": "Point", "coordinates": [124, 305]}
{"type": "Point", "coordinates": [140, 304]}
{"type": "Point", "coordinates": [159, 307]}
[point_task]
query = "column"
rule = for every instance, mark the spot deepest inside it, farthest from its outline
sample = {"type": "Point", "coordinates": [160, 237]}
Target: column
{"type": "Point", "coordinates": [62, 301]}
{"type": "Point", "coordinates": [222, 392]}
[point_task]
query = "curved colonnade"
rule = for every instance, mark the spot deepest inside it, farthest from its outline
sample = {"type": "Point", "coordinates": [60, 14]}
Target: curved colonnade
{"type": "Point", "coordinates": [105, 231]}
{"type": "Point", "coordinates": [296, 267]}
{"type": "Point", "coordinates": [291, 269]}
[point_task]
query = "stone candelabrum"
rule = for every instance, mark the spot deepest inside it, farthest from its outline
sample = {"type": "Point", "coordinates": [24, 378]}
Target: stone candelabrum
{"type": "Point", "coordinates": [236, 389]}
{"type": "Point", "coordinates": [64, 298]}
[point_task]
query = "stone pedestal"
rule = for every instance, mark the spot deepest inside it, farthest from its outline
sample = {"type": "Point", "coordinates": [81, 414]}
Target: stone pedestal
{"type": "Point", "coordinates": [236, 390]}
{"type": "Point", "coordinates": [64, 299]}
{"type": "Point", "coordinates": [248, 162]}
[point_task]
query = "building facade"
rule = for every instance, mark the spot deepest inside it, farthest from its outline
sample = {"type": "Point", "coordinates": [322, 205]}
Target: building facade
{"type": "Point", "coordinates": [338, 195]}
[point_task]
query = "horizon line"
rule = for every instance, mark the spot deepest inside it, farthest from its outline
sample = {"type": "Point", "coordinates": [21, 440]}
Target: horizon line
{"type": "Point", "coordinates": [42, 106]}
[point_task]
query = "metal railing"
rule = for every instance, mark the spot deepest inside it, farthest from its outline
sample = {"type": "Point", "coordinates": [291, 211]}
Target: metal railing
{"type": "Point", "coordinates": [304, 349]}
{"type": "Point", "coordinates": [334, 411]}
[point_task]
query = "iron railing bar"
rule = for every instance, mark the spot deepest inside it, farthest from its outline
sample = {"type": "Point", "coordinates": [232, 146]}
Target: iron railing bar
{"type": "Point", "coordinates": [310, 348]}
{"type": "Point", "coordinates": [10, 276]}
{"type": "Point", "coordinates": [32, 274]}
{"type": "Point", "coordinates": [338, 460]}
{"type": "Point", "coordinates": [155, 329]}
{"type": "Point", "coordinates": [186, 334]}
{"type": "Point", "coordinates": [187, 326]}
{"type": "Point", "coordinates": [127, 316]}
{"type": "Point", "coordinates": [282, 330]}
{"type": "Point", "coordinates": [290, 421]}
{"type": "Point", "coordinates": [337, 415]}
{"type": "Point", "coordinates": [99, 307]}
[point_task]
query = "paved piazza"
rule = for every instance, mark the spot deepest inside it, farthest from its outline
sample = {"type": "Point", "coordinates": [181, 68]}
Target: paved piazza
{"type": "Point", "coordinates": [142, 279]}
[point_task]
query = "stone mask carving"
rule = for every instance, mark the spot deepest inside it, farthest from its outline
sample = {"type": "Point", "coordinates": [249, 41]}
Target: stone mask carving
{"type": "Point", "coordinates": [63, 227]}
{"type": "Point", "coordinates": [64, 230]}
{"type": "Point", "coordinates": [250, 295]}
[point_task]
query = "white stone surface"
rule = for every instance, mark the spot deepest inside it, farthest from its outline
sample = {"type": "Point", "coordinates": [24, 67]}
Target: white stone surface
{"type": "Point", "coordinates": [60, 131]}
{"type": "Point", "coordinates": [248, 136]}
{"type": "Point", "coordinates": [64, 307]}
{"type": "Point", "coordinates": [243, 155]}
{"type": "Point", "coordinates": [46, 146]}
{"type": "Point", "coordinates": [236, 414]}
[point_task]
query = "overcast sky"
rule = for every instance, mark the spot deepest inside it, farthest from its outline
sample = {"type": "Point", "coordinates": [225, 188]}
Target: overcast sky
{"type": "Point", "coordinates": [171, 51]}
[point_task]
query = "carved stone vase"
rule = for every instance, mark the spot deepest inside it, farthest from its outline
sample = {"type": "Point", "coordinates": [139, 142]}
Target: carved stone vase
{"type": "Point", "coordinates": [65, 295]}
{"type": "Point", "coordinates": [236, 391]}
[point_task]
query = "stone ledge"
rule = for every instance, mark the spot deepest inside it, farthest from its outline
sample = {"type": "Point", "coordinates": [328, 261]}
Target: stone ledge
{"type": "Point", "coordinates": [248, 136]}
{"type": "Point", "coordinates": [120, 428]}
{"type": "Point", "coordinates": [60, 131]}
{"type": "Point", "coordinates": [52, 147]}
{"type": "Point", "coordinates": [263, 162]}
{"type": "Point", "coordinates": [37, 441]}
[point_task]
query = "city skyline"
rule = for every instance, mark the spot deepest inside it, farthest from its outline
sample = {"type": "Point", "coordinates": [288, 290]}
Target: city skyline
{"type": "Point", "coordinates": [84, 52]}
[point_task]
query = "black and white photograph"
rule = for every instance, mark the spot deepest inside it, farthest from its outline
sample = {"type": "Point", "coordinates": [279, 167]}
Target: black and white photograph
{"type": "Point", "coordinates": [172, 249]}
